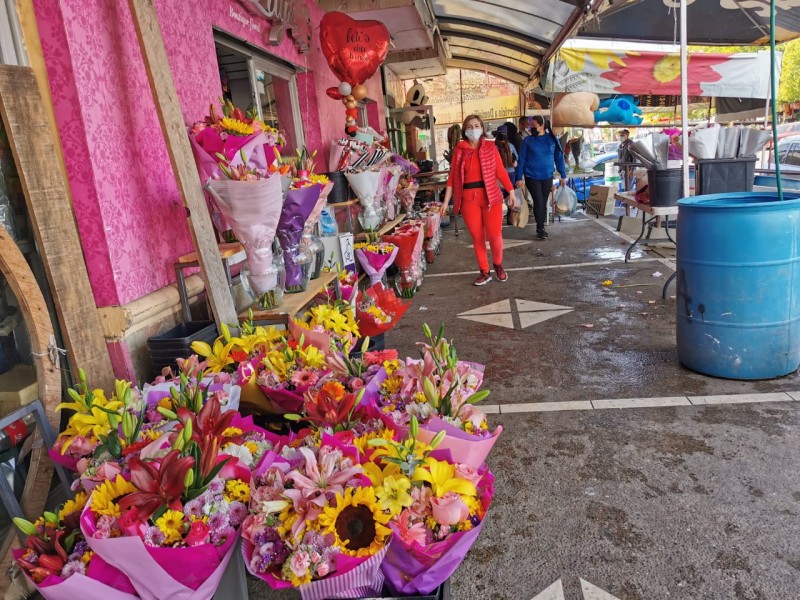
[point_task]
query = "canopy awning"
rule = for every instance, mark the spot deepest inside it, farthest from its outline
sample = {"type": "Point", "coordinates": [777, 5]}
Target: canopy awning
{"type": "Point", "coordinates": [508, 38]}
{"type": "Point", "coordinates": [710, 22]}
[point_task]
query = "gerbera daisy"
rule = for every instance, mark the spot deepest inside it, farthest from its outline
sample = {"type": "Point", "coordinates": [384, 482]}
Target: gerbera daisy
{"type": "Point", "coordinates": [106, 495]}
{"type": "Point", "coordinates": [171, 525]}
{"type": "Point", "coordinates": [304, 378]}
{"type": "Point", "coordinates": [357, 522]}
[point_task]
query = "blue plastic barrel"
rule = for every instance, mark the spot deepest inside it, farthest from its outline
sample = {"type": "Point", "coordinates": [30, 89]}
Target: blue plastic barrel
{"type": "Point", "coordinates": [738, 289]}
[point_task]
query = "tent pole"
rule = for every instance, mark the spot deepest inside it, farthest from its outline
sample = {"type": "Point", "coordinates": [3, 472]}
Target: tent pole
{"type": "Point", "coordinates": [684, 100]}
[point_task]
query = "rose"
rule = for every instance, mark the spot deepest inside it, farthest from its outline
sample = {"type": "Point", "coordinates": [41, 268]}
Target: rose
{"type": "Point", "coordinates": [198, 533]}
{"type": "Point", "coordinates": [253, 525]}
{"type": "Point", "coordinates": [107, 471]}
{"type": "Point", "coordinates": [473, 415]}
{"type": "Point", "coordinates": [469, 473]}
{"type": "Point", "coordinates": [356, 383]}
{"type": "Point", "coordinates": [80, 446]}
{"type": "Point", "coordinates": [299, 563]}
{"type": "Point", "coordinates": [323, 569]}
{"type": "Point", "coordinates": [130, 524]}
{"type": "Point", "coordinates": [449, 510]}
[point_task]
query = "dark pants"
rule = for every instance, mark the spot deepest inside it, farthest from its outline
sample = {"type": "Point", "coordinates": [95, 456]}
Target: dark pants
{"type": "Point", "coordinates": [539, 190]}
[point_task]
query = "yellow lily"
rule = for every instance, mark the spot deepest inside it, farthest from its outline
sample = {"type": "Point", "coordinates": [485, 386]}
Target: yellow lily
{"type": "Point", "coordinates": [442, 478]}
{"type": "Point", "coordinates": [217, 357]}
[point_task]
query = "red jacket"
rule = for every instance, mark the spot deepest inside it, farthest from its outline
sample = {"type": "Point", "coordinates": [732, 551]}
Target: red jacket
{"type": "Point", "coordinates": [491, 168]}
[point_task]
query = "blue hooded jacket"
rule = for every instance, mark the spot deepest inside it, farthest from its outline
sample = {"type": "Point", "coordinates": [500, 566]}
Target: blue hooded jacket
{"type": "Point", "coordinates": [539, 158]}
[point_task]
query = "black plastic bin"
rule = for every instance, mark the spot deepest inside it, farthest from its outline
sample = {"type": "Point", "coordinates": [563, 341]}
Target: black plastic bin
{"type": "Point", "coordinates": [440, 593]}
{"type": "Point", "coordinates": [377, 342]}
{"type": "Point", "coordinates": [665, 187]}
{"type": "Point", "coordinates": [341, 191]}
{"type": "Point", "coordinates": [177, 342]}
{"type": "Point", "coordinates": [724, 175]}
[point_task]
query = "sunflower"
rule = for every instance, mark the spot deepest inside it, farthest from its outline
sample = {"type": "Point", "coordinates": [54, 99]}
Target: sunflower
{"type": "Point", "coordinates": [73, 506]}
{"type": "Point", "coordinates": [236, 127]}
{"type": "Point", "coordinates": [106, 495]}
{"type": "Point", "coordinates": [357, 521]}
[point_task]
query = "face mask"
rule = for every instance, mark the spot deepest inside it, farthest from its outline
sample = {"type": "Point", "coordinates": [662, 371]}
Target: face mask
{"type": "Point", "coordinates": [473, 134]}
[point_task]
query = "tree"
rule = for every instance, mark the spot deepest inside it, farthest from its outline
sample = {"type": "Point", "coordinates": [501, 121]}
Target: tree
{"type": "Point", "coordinates": [789, 88]}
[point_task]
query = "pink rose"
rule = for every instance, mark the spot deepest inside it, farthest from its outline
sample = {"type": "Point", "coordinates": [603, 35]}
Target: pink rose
{"type": "Point", "coordinates": [130, 524]}
{"type": "Point", "coordinates": [323, 569]}
{"type": "Point", "coordinates": [449, 510]}
{"type": "Point", "coordinates": [253, 525]}
{"type": "Point", "coordinates": [198, 533]}
{"type": "Point", "coordinates": [469, 473]}
{"type": "Point", "coordinates": [356, 383]}
{"type": "Point", "coordinates": [299, 563]}
{"type": "Point", "coordinates": [82, 465]}
{"type": "Point", "coordinates": [80, 446]}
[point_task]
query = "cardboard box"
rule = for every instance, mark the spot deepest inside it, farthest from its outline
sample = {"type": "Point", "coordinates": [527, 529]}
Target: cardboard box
{"type": "Point", "coordinates": [601, 198]}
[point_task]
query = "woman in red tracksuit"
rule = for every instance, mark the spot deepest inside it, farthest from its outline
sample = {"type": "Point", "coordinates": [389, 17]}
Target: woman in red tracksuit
{"type": "Point", "coordinates": [475, 169]}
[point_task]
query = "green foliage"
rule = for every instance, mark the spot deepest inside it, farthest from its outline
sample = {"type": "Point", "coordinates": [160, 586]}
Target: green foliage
{"type": "Point", "coordinates": [789, 88]}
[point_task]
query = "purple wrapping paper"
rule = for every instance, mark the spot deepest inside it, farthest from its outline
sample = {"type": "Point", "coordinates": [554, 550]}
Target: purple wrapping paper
{"type": "Point", "coordinates": [296, 210]}
{"type": "Point", "coordinates": [375, 272]}
{"type": "Point", "coordinates": [253, 209]}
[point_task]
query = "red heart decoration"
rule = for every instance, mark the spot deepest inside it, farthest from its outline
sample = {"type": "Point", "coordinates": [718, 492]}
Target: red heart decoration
{"type": "Point", "coordinates": [354, 49]}
{"type": "Point", "coordinates": [333, 92]}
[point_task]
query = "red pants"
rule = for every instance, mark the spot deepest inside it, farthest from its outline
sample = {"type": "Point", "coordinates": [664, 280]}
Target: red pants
{"type": "Point", "coordinates": [482, 224]}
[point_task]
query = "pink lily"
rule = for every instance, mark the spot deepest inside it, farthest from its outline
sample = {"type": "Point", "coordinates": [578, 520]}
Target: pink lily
{"type": "Point", "coordinates": [322, 476]}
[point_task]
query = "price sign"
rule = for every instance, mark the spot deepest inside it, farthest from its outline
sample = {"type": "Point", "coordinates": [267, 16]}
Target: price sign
{"type": "Point", "coordinates": [348, 254]}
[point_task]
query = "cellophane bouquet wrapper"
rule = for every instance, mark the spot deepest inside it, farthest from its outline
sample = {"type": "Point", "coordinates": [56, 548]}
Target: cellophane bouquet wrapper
{"type": "Point", "coordinates": [409, 240]}
{"type": "Point", "coordinates": [101, 582]}
{"type": "Point", "coordinates": [375, 265]}
{"type": "Point", "coordinates": [153, 392]}
{"type": "Point", "coordinates": [407, 194]}
{"type": "Point", "coordinates": [253, 209]}
{"type": "Point", "coordinates": [465, 448]}
{"type": "Point", "coordinates": [191, 573]}
{"type": "Point", "coordinates": [353, 578]}
{"type": "Point", "coordinates": [367, 185]}
{"type": "Point", "coordinates": [413, 569]}
{"type": "Point", "coordinates": [68, 462]}
{"type": "Point", "coordinates": [393, 306]}
{"type": "Point", "coordinates": [297, 208]}
{"type": "Point", "coordinates": [393, 174]}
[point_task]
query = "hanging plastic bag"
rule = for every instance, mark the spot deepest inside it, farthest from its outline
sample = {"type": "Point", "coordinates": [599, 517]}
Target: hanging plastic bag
{"type": "Point", "coordinates": [518, 216]}
{"type": "Point", "coordinates": [566, 201]}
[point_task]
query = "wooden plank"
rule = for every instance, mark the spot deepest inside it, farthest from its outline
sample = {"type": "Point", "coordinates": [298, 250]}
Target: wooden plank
{"type": "Point", "coordinates": [292, 303]}
{"type": "Point", "coordinates": [53, 222]}
{"type": "Point", "coordinates": [387, 227]}
{"type": "Point", "coordinates": [40, 329]}
{"type": "Point", "coordinates": [225, 251]}
{"type": "Point", "coordinates": [148, 32]}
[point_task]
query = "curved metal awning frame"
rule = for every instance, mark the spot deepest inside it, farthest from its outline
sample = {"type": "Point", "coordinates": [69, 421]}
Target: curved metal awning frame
{"type": "Point", "coordinates": [506, 49]}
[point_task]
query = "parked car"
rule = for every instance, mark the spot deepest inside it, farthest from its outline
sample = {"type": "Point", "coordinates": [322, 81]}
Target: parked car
{"type": "Point", "coordinates": [582, 185]}
{"type": "Point", "coordinates": [788, 155]}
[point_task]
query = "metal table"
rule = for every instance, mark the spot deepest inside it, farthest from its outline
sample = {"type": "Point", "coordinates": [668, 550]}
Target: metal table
{"type": "Point", "coordinates": [655, 213]}
{"type": "Point", "coordinates": [571, 177]}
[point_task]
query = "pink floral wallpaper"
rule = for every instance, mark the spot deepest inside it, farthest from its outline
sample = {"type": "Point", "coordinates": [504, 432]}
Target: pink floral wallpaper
{"type": "Point", "coordinates": [127, 204]}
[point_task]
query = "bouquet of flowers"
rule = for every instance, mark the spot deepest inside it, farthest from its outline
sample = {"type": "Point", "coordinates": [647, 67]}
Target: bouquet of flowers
{"type": "Point", "coordinates": [251, 202]}
{"type": "Point", "coordinates": [409, 239]}
{"type": "Point", "coordinates": [378, 310]}
{"type": "Point", "coordinates": [441, 391]}
{"type": "Point", "coordinates": [367, 185]}
{"type": "Point", "coordinates": [407, 191]}
{"type": "Point", "coordinates": [315, 524]}
{"type": "Point", "coordinates": [301, 200]}
{"type": "Point", "coordinates": [171, 529]}
{"type": "Point", "coordinates": [393, 174]}
{"type": "Point", "coordinates": [58, 560]}
{"type": "Point", "coordinates": [375, 258]}
{"type": "Point", "coordinates": [327, 326]}
{"type": "Point", "coordinates": [287, 370]}
{"type": "Point", "coordinates": [95, 415]}
{"type": "Point", "coordinates": [436, 508]}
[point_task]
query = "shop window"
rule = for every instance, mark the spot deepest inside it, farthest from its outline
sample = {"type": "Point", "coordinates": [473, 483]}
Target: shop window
{"type": "Point", "coordinates": [12, 48]}
{"type": "Point", "coordinates": [254, 81]}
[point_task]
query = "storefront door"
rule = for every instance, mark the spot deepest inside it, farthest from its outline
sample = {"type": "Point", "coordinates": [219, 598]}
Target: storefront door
{"type": "Point", "coordinates": [253, 80]}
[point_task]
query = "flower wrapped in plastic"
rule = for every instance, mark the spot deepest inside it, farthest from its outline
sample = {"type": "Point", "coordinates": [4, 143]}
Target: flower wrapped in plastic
{"type": "Point", "coordinates": [315, 524]}
{"type": "Point", "coordinates": [436, 507]}
{"type": "Point", "coordinates": [57, 559]}
{"type": "Point", "coordinates": [300, 202]}
{"type": "Point", "coordinates": [406, 192]}
{"type": "Point", "coordinates": [378, 310]}
{"type": "Point", "coordinates": [408, 238]}
{"type": "Point", "coordinates": [393, 174]}
{"type": "Point", "coordinates": [375, 258]}
{"type": "Point", "coordinates": [368, 186]}
{"type": "Point", "coordinates": [172, 528]}
{"type": "Point", "coordinates": [252, 206]}
{"type": "Point", "coordinates": [440, 391]}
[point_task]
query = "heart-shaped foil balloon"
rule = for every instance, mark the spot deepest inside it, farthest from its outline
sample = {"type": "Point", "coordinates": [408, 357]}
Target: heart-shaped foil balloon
{"type": "Point", "coordinates": [354, 49]}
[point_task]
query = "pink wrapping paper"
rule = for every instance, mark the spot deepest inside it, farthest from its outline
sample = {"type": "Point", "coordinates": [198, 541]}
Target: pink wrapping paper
{"type": "Point", "coordinates": [432, 223]}
{"type": "Point", "coordinates": [318, 339]}
{"type": "Point", "coordinates": [62, 459]}
{"type": "Point", "coordinates": [375, 265]}
{"type": "Point", "coordinates": [103, 582]}
{"type": "Point", "coordinates": [287, 401]}
{"type": "Point", "coordinates": [156, 573]}
{"type": "Point", "coordinates": [412, 569]}
{"type": "Point", "coordinates": [208, 142]}
{"type": "Point", "coordinates": [464, 447]}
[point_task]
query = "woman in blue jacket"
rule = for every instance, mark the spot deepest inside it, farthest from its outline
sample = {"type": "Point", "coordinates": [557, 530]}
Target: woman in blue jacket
{"type": "Point", "coordinates": [539, 158]}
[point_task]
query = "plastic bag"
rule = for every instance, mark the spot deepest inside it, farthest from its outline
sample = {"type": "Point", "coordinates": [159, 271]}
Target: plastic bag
{"type": "Point", "coordinates": [566, 201]}
{"type": "Point", "coordinates": [519, 215]}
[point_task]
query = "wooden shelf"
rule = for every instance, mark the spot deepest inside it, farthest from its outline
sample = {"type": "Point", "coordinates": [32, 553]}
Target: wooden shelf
{"type": "Point", "coordinates": [292, 304]}
{"type": "Point", "coordinates": [387, 227]}
{"type": "Point", "coordinates": [336, 205]}
{"type": "Point", "coordinates": [226, 250]}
